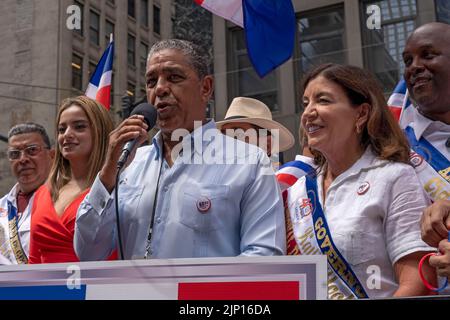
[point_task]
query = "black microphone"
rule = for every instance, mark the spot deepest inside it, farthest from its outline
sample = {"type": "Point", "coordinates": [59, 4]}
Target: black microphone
{"type": "Point", "coordinates": [150, 114]}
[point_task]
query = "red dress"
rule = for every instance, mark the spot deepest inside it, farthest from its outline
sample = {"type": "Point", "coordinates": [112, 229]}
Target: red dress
{"type": "Point", "coordinates": [51, 235]}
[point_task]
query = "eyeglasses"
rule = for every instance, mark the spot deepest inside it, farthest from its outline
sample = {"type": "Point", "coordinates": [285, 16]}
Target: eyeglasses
{"type": "Point", "coordinates": [30, 151]}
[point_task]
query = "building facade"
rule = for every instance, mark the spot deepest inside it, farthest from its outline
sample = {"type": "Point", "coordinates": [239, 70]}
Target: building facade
{"type": "Point", "coordinates": [44, 60]}
{"type": "Point", "coordinates": [45, 57]}
{"type": "Point", "coordinates": [327, 31]}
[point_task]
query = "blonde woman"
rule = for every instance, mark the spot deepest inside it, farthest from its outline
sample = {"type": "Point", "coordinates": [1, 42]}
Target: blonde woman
{"type": "Point", "coordinates": [82, 131]}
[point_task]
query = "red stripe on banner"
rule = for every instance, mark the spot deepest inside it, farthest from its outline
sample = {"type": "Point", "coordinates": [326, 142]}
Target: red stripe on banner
{"type": "Point", "coordinates": [264, 290]}
{"type": "Point", "coordinates": [104, 96]}
{"type": "Point", "coordinates": [289, 179]}
{"type": "Point", "coordinates": [396, 111]}
{"type": "Point", "coordinates": [199, 2]}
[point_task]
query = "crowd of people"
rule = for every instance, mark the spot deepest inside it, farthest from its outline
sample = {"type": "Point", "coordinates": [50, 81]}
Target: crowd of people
{"type": "Point", "coordinates": [207, 189]}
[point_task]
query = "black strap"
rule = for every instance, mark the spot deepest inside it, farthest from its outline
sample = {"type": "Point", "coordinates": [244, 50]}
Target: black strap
{"type": "Point", "coordinates": [155, 202]}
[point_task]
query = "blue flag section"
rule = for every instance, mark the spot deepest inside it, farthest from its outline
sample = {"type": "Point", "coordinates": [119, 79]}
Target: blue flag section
{"type": "Point", "coordinates": [42, 293]}
{"type": "Point", "coordinates": [270, 33]}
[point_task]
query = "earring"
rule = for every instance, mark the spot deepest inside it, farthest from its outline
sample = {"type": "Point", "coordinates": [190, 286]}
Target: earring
{"type": "Point", "coordinates": [358, 129]}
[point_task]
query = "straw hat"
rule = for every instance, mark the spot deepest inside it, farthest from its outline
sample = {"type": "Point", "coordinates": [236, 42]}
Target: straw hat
{"type": "Point", "coordinates": [255, 112]}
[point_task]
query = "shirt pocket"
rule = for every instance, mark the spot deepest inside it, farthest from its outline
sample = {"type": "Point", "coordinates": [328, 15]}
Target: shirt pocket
{"type": "Point", "coordinates": [362, 247]}
{"type": "Point", "coordinates": [129, 197]}
{"type": "Point", "coordinates": [204, 206]}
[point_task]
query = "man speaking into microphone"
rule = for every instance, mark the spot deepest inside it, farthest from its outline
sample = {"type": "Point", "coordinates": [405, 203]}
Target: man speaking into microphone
{"type": "Point", "coordinates": [172, 208]}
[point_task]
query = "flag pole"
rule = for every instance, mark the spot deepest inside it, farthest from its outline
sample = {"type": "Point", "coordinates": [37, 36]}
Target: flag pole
{"type": "Point", "coordinates": [111, 38]}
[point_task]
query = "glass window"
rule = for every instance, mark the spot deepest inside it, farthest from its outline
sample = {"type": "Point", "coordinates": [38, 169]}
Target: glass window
{"type": "Point", "coordinates": [81, 6]}
{"type": "Point", "coordinates": [131, 87]}
{"type": "Point", "coordinates": [443, 11]}
{"type": "Point", "coordinates": [92, 66]}
{"type": "Point", "coordinates": [109, 28]}
{"type": "Point", "coordinates": [144, 13]}
{"type": "Point", "coordinates": [131, 50]}
{"type": "Point", "coordinates": [143, 57]}
{"type": "Point", "coordinates": [320, 38]}
{"type": "Point", "coordinates": [131, 8]}
{"type": "Point", "coordinates": [383, 48]}
{"type": "Point", "coordinates": [77, 72]}
{"type": "Point", "coordinates": [156, 20]}
{"type": "Point", "coordinates": [243, 79]}
{"type": "Point", "coordinates": [94, 28]}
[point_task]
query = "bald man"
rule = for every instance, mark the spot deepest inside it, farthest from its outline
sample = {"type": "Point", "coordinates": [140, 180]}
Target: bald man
{"type": "Point", "coordinates": [427, 74]}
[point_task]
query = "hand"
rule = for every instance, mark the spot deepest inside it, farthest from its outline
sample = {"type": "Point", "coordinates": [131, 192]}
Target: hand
{"type": "Point", "coordinates": [435, 222]}
{"type": "Point", "coordinates": [442, 262]}
{"type": "Point", "coordinates": [131, 128]}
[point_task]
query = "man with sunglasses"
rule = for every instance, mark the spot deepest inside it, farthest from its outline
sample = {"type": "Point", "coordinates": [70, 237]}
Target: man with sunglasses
{"type": "Point", "coordinates": [30, 157]}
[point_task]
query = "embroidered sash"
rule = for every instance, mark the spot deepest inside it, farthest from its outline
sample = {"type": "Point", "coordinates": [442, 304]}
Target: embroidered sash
{"type": "Point", "coordinates": [287, 176]}
{"type": "Point", "coordinates": [14, 238]}
{"type": "Point", "coordinates": [435, 172]}
{"type": "Point", "coordinates": [313, 237]}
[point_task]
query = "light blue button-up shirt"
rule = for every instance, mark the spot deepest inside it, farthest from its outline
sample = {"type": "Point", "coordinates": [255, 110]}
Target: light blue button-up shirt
{"type": "Point", "coordinates": [227, 208]}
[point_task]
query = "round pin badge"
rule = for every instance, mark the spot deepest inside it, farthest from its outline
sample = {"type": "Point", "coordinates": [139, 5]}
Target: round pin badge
{"type": "Point", "coordinates": [363, 188]}
{"type": "Point", "coordinates": [415, 159]}
{"type": "Point", "coordinates": [203, 204]}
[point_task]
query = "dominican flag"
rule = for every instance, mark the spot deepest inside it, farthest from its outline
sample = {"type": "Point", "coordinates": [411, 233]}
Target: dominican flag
{"type": "Point", "coordinates": [99, 87]}
{"type": "Point", "coordinates": [269, 27]}
{"type": "Point", "coordinates": [290, 172]}
{"type": "Point", "coordinates": [400, 105]}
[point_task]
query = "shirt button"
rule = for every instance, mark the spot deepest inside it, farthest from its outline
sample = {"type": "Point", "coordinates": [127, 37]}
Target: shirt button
{"type": "Point", "coordinates": [158, 220]}
{"type": "Point", "coordinates": [165, 189]}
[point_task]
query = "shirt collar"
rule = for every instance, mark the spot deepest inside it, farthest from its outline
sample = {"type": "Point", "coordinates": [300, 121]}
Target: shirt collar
{"type": "Point", "coordinates": [13, 194]}
{"type": "Point", "coordinates": [197, 138]}
{"type": "Point", "coordinates": [420, 124]}
{"type": "Point", "coordinates": [368, 160]}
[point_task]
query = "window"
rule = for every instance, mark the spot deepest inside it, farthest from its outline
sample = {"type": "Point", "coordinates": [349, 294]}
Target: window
{"type": "Point", "coordinates": [143, 56]}
{"type": "Point", "coordinates": [92, 66]}
{"type": "Point", "coordinates": [156, 20]}
{"type": "Point", "coordinates": [383, 48]}
{"type": "Point", "coordinates": [94, 28]}
{"type": "Point", "coordinates": [131, 87]}
{"type": "Point", "coordinates": [109, 28]}
{"type": "Point", "coordinates": [131, 8]}
{"type": "Point", "coordinates": [131, 50]}
{"type": "Point", "coordinates": [320, 38]}
{"type": "Point", "coordinates": [81, 6]}
{"type": "Point", "coordinates": [443, 11]}
{"type": "Point", "coordinates": [77, 72]}
{"type": "Point", "coordinates": [243, 79]}
{"type": "Point", "coordinates": [111, 2]}
{"type": "Point", "coordinates": [144, 13]}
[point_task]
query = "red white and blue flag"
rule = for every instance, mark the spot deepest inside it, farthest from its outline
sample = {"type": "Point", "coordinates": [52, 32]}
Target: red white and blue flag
{"type": "Point", "coordinates": [269, 27]}
{"type": "Point", "coordinates": [400, 105]}
{"type": "Point", "coordinates": [290, 172]}
{"type": "Point", "coordinates": [99, 87]}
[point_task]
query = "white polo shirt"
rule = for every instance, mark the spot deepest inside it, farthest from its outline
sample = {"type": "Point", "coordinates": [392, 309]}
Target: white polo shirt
{"type": "Point", "coordinates": [373, 211]}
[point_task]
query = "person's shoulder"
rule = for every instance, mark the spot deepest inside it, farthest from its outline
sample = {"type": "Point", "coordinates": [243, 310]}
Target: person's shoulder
{"type": "Point", "coordinates": [394, 169]}
{"type": "Point", "coordinates": [11, 193]}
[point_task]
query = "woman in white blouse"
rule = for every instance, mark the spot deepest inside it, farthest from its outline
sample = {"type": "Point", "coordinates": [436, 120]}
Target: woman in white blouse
{"type": "Point", "coordinates": [362, 205]}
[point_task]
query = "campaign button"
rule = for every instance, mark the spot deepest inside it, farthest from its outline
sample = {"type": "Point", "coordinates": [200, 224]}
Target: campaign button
{"type": "Point", "coordinates": [415, 160]}
{"type": "Point", "coordinates": [203, 204]}
{"type": "Point", "coordinates": [363, 188]}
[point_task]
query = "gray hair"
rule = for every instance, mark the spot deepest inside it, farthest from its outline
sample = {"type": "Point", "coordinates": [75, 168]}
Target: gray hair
{"type": "Point", "coordinates": [30, 127]}
{"type": "Point", "coordinates": [198, 58]}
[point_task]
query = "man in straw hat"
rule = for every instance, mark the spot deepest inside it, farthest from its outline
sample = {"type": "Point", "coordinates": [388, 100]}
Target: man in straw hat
{"type": "Point", "coordinates": [250, 120]}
